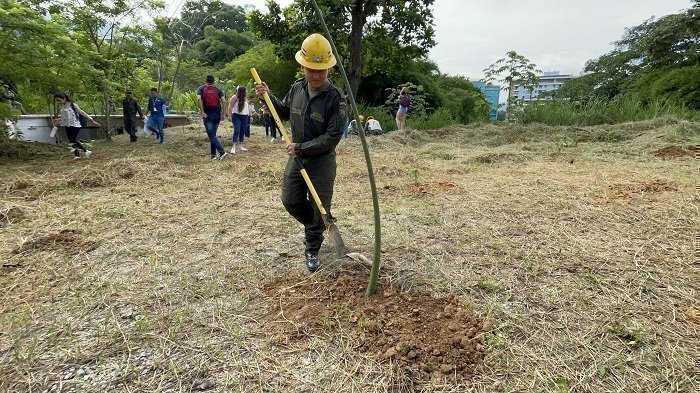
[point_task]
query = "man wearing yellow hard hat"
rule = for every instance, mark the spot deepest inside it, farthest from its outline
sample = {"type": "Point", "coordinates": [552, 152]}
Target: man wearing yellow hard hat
{"type": "Point", "coordinates": [317, 112]}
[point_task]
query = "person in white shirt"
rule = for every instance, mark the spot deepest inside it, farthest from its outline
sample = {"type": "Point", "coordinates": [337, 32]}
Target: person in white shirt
{"type": "Point", "coordinates": [240, 116]}
{"type": "Point", "coordinates": [372, 126]}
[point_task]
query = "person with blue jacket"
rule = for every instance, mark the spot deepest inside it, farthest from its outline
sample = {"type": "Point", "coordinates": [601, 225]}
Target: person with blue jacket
{"type": "Point", "coordinates": [156, 114]}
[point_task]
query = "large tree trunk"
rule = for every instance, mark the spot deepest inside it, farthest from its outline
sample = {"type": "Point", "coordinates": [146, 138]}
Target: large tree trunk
{"type": "Point", "coordinates": [356, 60]}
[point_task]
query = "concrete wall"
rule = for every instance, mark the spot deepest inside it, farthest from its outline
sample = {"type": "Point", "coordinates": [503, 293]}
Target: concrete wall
{"type": "Point", "coordinates": [37, 128]}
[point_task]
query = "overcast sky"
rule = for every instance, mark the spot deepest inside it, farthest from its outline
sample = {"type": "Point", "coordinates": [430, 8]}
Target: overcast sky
{"type": "Point", "coordinates": [556, 35]}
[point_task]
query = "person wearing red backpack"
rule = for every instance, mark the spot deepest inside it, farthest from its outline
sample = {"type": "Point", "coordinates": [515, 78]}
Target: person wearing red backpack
{"type": "Point", "coordinates": [212, 109]}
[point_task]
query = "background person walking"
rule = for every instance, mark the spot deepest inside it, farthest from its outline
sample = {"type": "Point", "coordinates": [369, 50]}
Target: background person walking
{"type": "Point", "coordinates": [212, 108]}
{"type": "Point", "coordinates": [156, 114]}
{"type": "Point", "coordinates": [131, 108]}
{"type": "Point", "coordinates": [240, 116]}
{"type": "Point", "coordinates": [69, 116]}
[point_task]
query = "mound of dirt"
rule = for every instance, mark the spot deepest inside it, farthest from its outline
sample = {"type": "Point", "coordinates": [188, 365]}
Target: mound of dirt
{"type": "Point", "coordinates": [672, 152]}
{"type": "Point", "coordinates": [68, 240]}
{"type": "Point", "coordinates": [693, 315]}
{"type": "Point", "coordinates": [627, 191]}
{"type": "Point", "coordinates": [419, 334]}
{"type": "Point", "coordinates": [422, 189]}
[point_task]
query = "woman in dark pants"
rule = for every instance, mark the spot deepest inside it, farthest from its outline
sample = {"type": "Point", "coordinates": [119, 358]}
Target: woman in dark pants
{"type": "Point", "coordinates": [68, 118]}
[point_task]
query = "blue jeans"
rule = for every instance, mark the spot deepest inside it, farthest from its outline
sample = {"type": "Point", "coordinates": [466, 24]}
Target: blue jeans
{"type": "Point", "coordinates": [154, 122]}
{"type": "Point", "coordinates": [212, 125]}
{"type": "Point", "coordinates": [241, 126]}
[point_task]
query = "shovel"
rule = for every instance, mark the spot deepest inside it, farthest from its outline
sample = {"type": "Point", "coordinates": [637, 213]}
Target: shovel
{"type": "Point", "coordinates": [333, 230]}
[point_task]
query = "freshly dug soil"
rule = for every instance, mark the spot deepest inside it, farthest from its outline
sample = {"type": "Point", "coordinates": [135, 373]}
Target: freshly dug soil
{"type": "Point", "coordinates": [68, 240]}
{"type": "Point", "coordinates": [672, 152]}
{"type": "Point", "coordinates": [419, 334]}
{"type": "Point", "coordinates": [442, 186]}
{"type": "Point", "coordinates": [626, 191]}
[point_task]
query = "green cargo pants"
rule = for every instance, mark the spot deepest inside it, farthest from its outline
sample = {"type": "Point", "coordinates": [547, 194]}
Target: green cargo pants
{"type": "Point", "coordinates": [299, 202]}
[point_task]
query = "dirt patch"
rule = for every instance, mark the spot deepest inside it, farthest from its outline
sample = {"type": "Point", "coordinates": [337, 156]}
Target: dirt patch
{"type": "Point", "coordinates": [431, 188]}
{"type": "Point", "coordinates": [67, 240]}
{"type": "Point", "coordinates": [627, 191]}
{"type": "Point", "coordinates": [417, 333]}
{"type": "Point", "coordinates": [89, 177]}
{"type": "Point", "coordinates": [126, 172]}
{"type": "Point", "coordinates": [693, 315]}
{"type": "Point", "coordinates": [672, 152]}
{"type": "Point", "coordinates": [492, 158]}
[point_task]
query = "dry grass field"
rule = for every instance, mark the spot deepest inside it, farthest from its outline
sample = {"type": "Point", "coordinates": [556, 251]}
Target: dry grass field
{"type": "Point", "coordinates": [150, 268]}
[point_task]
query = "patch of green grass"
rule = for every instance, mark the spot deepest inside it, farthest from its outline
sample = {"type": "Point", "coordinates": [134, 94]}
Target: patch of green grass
{"type": "Point", "coordinates": [634, 337]}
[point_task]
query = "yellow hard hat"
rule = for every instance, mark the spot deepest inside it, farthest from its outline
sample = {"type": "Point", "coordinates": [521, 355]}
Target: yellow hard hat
{"type": "Point", "coordinates": [316, 53]}
{"type": "Point", "coordinates": [362, 118]}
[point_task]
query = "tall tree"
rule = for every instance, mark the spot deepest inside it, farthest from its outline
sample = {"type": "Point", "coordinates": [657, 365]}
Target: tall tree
{"type": "Point", "coordinates": [659, 58]}
{"type": "Point", "coordinates": [353, 23]}
{"type": "Point", "coordinates": [513, 70]}
{"type": "Point", "coordinates": [104, 28]}
{"type": "Point", "coordinates": [33, 53]}
{"type": "Point", "coordinates": [221, 46]}
{"type": "Point", "coordinates": [197, 15]}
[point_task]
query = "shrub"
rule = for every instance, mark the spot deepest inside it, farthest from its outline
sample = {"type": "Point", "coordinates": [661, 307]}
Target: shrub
{"type": "Point", "coordinates": [603, 111]}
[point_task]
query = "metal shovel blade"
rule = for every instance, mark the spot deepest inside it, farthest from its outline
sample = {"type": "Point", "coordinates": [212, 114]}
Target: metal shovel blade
{"type": "Point", "coordinates": [334, 234]}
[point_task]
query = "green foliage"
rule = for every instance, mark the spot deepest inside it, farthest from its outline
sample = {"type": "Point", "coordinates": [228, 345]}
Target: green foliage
{"type": "Point", "coordinates": [657, 59]}
{"type": "Point", "coordinates": [634, 337]}
{"type": "Point", "coordinates": [423, 72]}
{"type": "Point", "coordinates": [221, 46]}
{"type": "Point", "coordinates": [395, 30]}
{"type": "Point", "coordinates": [439, 119]}
{"type": "Point", "coordinates": [603, 111]}
{"type": "Point", "coordinates": [681, 85]}
{"type": "Point", "coordinates": [279, 74]}
{"type": "Point", "coordinates": [33, 53]}
{"type": "Point", "coordinates": [185, 102]}
{"type": "Point", "coordinates": [464, 101]}
{"type": "Point", "coordinates": [512, 71]}
{"type": "Point", "coordinates": [419, 105]}
{"type": "Point", "coordinates": [196, 16]}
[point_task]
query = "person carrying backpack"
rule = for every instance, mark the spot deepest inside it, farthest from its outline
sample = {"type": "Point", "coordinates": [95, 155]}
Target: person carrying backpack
{"type": "Point", "coordinates": [212, 109]}
{"type": "Point", "coordinates": [73, 119]}
{"type": "Point", "coordinates": [404, 103]}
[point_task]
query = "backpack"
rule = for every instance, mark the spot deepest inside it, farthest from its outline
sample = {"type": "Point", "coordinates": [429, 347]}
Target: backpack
{"type": "Point", "coordinates": [81, 118]}
{"type": "Point", "coordinates": [405, 100]}
{"type": "Point", "coordinates": [210, 96]}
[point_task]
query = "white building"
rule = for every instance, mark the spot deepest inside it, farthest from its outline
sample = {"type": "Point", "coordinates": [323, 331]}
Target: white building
{"type": "Point", "coordinates": [549, 81]}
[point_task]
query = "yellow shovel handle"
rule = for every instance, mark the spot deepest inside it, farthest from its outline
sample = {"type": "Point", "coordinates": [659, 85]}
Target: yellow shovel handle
{"type": "Point", "coordinates": [288, 140]}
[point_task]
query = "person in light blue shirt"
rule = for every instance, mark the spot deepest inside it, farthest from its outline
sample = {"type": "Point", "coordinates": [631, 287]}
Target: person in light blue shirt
{"type": "Point", "coordinates": [156, 114]}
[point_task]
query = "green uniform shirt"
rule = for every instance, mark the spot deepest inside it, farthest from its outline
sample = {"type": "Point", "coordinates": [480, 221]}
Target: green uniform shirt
{"type": "Point", "coordinates": [317, 121]}
{"type": "Point", "coordinates": [131, 108]}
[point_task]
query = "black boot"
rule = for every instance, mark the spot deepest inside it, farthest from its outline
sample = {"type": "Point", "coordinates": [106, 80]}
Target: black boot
{"type": "Point", "coordinates": [312, 261]}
